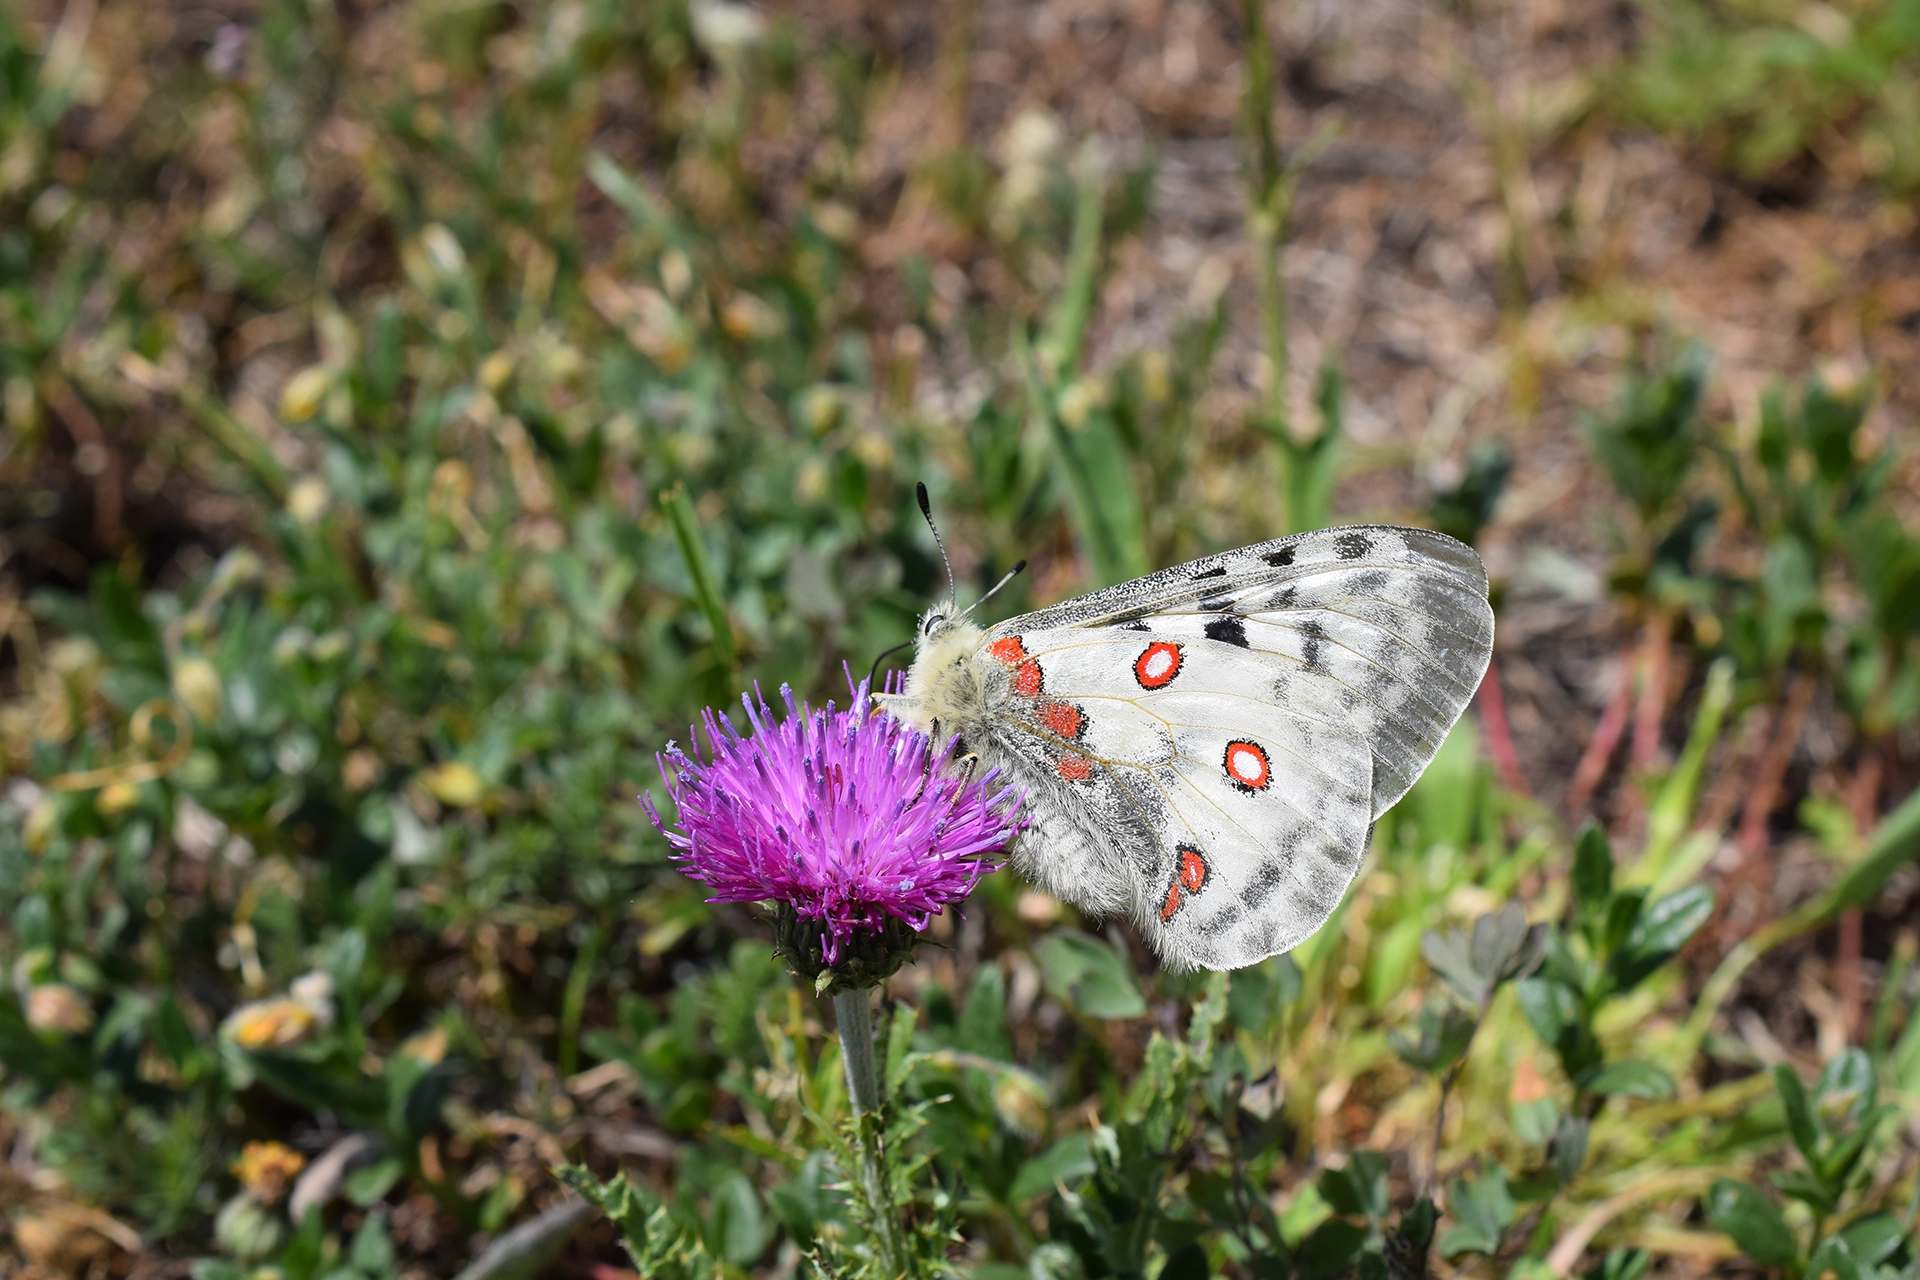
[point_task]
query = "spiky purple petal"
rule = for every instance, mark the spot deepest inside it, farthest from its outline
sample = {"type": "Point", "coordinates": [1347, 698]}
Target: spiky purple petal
{"type": "Point", "coordinates": [849, 818]}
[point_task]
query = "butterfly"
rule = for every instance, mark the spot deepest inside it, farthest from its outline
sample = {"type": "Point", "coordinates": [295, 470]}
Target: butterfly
{"type": "Point", "coordinates": [1205, 750]}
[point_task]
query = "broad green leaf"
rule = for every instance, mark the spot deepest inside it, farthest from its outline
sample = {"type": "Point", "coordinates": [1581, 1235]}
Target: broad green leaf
{"type": "Point", "coordinates": [1631, 1078]}
{"type": "Point", "coordinates": [1482, 1209]}
{"type": "Point", "coordinates": [1663, 927]}
{"type": "Point", "coordinates": [1874, 1238]}
{"type": "Point", "coordinates": [1089, 976]}
{"type": "Point", "coordinates": [1753, 1221]}
{"type": "Point", "coordinates": [1068, 1161]}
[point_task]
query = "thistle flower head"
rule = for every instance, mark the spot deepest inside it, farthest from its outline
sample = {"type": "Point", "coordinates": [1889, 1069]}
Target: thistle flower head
{"type": "Point", "coordinates": [850, 822]}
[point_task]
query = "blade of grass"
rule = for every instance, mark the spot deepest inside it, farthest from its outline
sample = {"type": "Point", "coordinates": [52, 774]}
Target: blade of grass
{"type": "Point", "coordinates": [1059, 348]}
{"type": "Point", "coordinates": [1895, 841]}
{"type": "Point", "coordinates": [1673, 804]}
{"type": "Point", "coordinates": [574, 1002]}
{"type": "Point", "coordinates": [678, 509]}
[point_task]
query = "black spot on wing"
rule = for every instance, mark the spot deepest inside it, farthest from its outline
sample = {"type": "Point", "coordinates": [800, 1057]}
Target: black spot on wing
{"type": "Point", "coordinates": [1282, 599]}
{"type": "Point", "coordinates": [1218, 602]}
{"type": "Point", "coordinates": [1279, 559]}
{"type": "Point", "coordinates": [1264, 883]}
{"type": "Point", "coordinates": [1223, 919]}
{"type": "Point", "coordinates": [1228, 630]}
{"type": "Point", "coordinates": [1218, 571]}
{"type": "Point", "coordinates": [1351, 546]}
{"type": "Point", "coordinates": [1315, 632]}
{"type": "Point", "coordinates": [1134, 625]}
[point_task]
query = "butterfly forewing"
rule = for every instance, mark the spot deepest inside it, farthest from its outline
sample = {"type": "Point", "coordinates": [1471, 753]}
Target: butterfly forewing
{"type": "Point", "coordinates": [1214, 740]}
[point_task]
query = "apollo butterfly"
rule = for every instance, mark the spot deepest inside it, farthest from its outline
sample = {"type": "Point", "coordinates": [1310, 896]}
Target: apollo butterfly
{"type": "Point", "coordinates": [1205, 749]}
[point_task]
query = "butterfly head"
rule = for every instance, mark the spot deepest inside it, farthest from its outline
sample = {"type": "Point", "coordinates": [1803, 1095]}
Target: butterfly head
{"type": "Point", "coordinates": [943, 649]}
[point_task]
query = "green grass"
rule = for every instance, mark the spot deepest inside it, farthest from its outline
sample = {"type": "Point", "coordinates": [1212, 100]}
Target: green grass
{"type": "Point", "coordinates": [578, 427]}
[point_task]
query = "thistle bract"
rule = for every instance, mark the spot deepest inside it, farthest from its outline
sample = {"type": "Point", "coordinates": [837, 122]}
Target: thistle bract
{"type": "Point", "coordinates": [852, 824]}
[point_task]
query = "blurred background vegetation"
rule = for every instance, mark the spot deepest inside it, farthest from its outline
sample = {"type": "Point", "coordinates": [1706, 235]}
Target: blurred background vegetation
{"type": "Point", "coordinates": [415, 411]}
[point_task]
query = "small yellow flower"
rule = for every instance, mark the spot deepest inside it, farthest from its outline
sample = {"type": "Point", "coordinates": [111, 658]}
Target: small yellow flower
{"type": "Point", "coordinates": [116, 798]}
{"type": "Point", "coordinates": [278, 1023]}
{"type": "Point", "coordinates": [265, 1169]}
{"type": "Point", "coordinates": [454, 783]}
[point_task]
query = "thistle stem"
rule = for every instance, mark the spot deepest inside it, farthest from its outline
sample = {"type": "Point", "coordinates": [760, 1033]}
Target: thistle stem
{"type": "Point", "coordinates": [850, 1011]}
{"type": "Point", "coordinates": [855, 1022]}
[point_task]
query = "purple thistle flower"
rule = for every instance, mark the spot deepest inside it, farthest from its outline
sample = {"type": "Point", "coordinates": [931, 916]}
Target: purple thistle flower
{"type": "Point", "coordinates": [848, 821]}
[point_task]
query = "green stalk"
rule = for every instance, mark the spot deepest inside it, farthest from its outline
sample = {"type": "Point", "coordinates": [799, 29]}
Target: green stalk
{"type": "Point", "coordinates": [1894, 842]}
{"type": "Point", "coordinates": [678, 509]}
{"type": "Point", "coordinates": [574, 1002]}
{"type": "Point", "coordinates": [855, 1022]}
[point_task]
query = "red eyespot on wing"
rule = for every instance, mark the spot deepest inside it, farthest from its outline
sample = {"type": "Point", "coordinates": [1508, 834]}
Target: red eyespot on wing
{"type": "Point", "coordinates": [1172, 904]}
{"type": "Point", "coordinates": [1062, 718]}
{"type": "Point", "coordinates": [1009, 650]}
{"type": "Point", "coordinates": [1027, 680]}
{"type": "Point", "coordinates": [1157, 665]}
{"type": "Point", "coordinates": [1246, 765]}
{"type": "Point", "coordinates": [1193, 869]}
{"type": "Point", "coordinates": [1074, 768]}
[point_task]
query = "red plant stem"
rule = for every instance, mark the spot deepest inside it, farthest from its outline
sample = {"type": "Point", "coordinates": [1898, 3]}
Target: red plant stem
{"type": "Point", "coordinates": [1606, 736]}
{"type": "Point", "coordinates": [1493, 718]}
{"type": "Point", "coordinates": [1655, 654]}
{"type": "Point", "coordinates": [1773, 767]}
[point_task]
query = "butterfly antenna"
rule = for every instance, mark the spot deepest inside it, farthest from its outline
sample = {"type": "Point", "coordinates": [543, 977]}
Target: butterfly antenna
{"type": "Point", "coordinates": [926, 510]}
{"type": "Point", "coordinates": [874, 670]}
{"type": "Point", "coordinates": [1018, 568]}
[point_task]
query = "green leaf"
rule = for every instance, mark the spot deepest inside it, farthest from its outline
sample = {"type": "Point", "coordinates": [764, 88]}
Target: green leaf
{"type": "Point", "coordinates": [1482, 1210]}
{"type": "Point", "coordinates": [1874, 1238]}
{"type": "Point", "coordinates": [1631, 1078]}
{"type": "Point", "coordinates": [1329, 1249]}
{"type": "Point", "coordinates": [1442, 1033]}
{"type": "Point", "coordinates": [1662, 928]}
{"type": "Point", "coordinates": [1567, 1153]}
{"type": "Point", "coordinates": [1089, 976]}
{"type": "Point", "coordinates": [1360, 1188]}
{"type": "Point", "coordinates": [1835, 1255]}
{"type": "Point", "coordinates": [1068, 1161]}
{"type": "Point", "coordinates": [372, 1248]}
{"type": "Point", "coordinates": [1846, 1088]}
{"type": "Point", "coordinates": [1808, 1188]}
{"type": "Point", "coordinates": [1753, 1221]}
{"type": "Point", "coordinates": [1451, 956]}
{"type": "Point", "coordinates": [372, 1182]}
{"type": "Point", "coordinates": [1592, 872]}
{"type": "Point", "coordinates": [1802, 1127]}
{"type": "Point", "coordinates": [983, 1024]}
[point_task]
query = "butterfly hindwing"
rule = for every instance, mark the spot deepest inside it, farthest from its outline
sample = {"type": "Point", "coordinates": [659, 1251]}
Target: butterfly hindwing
{"type": "Point", "coordinates": [1237, 825]}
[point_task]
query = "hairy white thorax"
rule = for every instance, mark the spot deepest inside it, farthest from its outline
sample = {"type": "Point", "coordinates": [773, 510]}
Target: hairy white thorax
{"type": "Point", "coordinates": [944, 691]}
